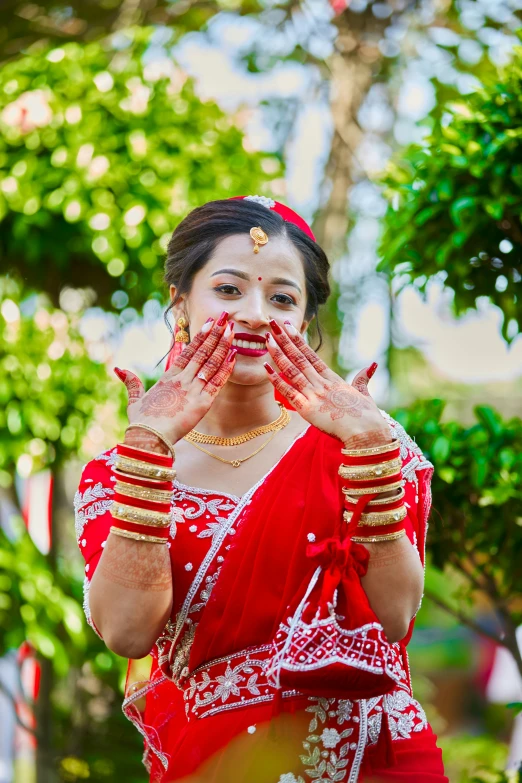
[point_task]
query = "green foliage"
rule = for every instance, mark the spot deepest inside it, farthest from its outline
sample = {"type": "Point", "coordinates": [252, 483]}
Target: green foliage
{"type": "Point", "coordinates": [457, 200]}
{"type": "Point", "coordinates": [49, 386]}
{"type": "Point", "coordinates": [41, 603]}
{"type": "Point", "coordinates": [476, 522]}
{"type": "Point", "coordinates": [103, 149]}
{"type": "Point", "coordinates": [475, 760]}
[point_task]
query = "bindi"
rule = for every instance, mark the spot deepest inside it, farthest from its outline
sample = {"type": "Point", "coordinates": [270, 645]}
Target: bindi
{"type": "Point", "coordinates": [259, 278]}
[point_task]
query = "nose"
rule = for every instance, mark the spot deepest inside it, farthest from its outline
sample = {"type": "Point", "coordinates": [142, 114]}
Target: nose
{"type": "Point", "coordinates": [252, 313]}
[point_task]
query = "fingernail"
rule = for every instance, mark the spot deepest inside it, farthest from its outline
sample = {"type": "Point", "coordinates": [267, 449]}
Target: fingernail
{"type": "Point", "coordinates": [119, 373]}
{"type": "Point", "coordinates": [207, 326]}
{"type": "Point", "coordinates": [269, 369]}
{"type": "Point", "coordinates": [209, 320]}
{"type": "Point", "coordinates": [222, 318]}
{"type": "Point", "coordinates": [291, 328]}
{"type": "Point", "coordinates": [371, 369]}
{"type": "Point", "coordinates": [275, 326]}
{"type": "Point", "coordinates": [229, 329]}
{"type": "Point", "coordinates": [232, 355]}
{"type": "Point", "coordinates": [232, 324]}
{"type": "Point", "coordinates": [268, 338]}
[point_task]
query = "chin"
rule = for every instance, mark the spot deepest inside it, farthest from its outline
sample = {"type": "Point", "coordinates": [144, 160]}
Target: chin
{"type": "Point", "coordinates": [251, 374]}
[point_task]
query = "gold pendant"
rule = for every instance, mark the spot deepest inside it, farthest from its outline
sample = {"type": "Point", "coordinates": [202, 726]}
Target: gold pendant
{"type": "Point", "coordinates": [236, 463]}
{"type": "Point", "coordinates": [259, 237]}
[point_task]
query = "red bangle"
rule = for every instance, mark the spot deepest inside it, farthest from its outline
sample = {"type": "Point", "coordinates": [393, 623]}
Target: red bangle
{"type": "Point", "coordinates": [146, 456]}
{"type": "Point", "coordinates": [149, 505]}
{"type": "Point", "coordinates": [377, 483]}
{"type": "Point", "coordinates": [372, 459]}
{"type": "Point", "coordinates": [371, 532]}
{"type": "Point", "coordinates": [142, 482]}
{"type": "Point", "coordinates": [391, 506]}
{"type": "Point", "coordinates": [147, 530]}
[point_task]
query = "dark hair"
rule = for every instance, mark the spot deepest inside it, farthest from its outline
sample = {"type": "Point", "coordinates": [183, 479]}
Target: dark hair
{"type": "Point", "coordinates": [196, 237]}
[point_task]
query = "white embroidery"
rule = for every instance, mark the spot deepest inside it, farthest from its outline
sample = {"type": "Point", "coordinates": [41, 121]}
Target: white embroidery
{"type": "Point", "coordinates": [108, 457]}
{"type": "Point", "coordinates": [405, 715]}
{"type": "Point", "coordinates": [94, 495]}
{"type": "Point", "coordinates": [269, 203]}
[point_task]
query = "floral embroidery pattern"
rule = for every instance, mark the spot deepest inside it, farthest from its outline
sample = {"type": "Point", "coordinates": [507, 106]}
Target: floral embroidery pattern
{"type": "Point", "coordinates": [405, 715]}
{"type": "Point", "coordinates": [108, 457]}
{"type": "Point", "coordinates": [204, 595]}
{"type": "Point", "coordinates": [233, 682]}
{"type": "Point", "coordinates": [326, 758]}
{"type": "Point", "coordinates": [96, 496]}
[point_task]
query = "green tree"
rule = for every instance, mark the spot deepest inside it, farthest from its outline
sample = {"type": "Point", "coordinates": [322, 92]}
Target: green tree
{"type": "Point", "coordinates": [106, 147]}
{"type": "Point", "coordinates": [457, 200]}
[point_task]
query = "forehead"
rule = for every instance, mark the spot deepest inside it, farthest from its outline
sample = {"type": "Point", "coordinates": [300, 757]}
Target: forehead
{"type": "Point", "coordinates": [278, 255]}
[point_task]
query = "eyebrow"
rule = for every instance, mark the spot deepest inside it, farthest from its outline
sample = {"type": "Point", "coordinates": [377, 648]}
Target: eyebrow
{"type": "Point", "coordinates": [244, 276]}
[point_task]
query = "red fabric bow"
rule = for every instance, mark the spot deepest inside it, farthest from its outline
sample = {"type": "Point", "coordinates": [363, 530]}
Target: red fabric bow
{"type": "Point", "coordinates": [341, 560]}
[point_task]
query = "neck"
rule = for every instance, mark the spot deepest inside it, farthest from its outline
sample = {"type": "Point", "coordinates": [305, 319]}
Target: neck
{"type": "Point", "coordinates": [238, 409]}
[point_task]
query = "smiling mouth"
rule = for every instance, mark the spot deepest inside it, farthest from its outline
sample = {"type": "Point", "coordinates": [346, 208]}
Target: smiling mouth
{"type": "Point", "coordinates": [250, 347]}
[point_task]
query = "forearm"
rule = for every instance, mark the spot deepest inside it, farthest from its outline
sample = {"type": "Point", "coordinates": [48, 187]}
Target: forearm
{"type": "Point", "coordinates": [131, 595]}
{"type": "Point", "coordinates": [394, 584]}
{"type": "Point", "coordinates": [131, 591]}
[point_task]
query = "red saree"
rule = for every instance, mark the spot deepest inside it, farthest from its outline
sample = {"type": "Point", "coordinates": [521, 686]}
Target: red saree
{"type": "Point", "coordinates": [207, 711]}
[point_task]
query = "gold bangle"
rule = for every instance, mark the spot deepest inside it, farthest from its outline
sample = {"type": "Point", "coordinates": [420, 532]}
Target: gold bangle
{"type": "Point", "coordinates": [138, 536]}
{"type": "Point", "coordinates": [376, 539]}
{"type": "Point", "coordinates": [378, 501]}
{"type": "Point", "coordinates": [160, 435]}
{"type": "Point", "coordinates": [376, 519]}
{"type": "Point", "coordinates": [122, 476]}
{"type": "Point", "coordinates": [143, 493]}
{"type": "Point", "coordinates": [144, 469]}
{"type": "Point", "coordinates": [384, 449]}
{"type": "Point", "coordinates": [364, 472]}
{"type": "Point", "coordinates": [372, 490]}
{"type": "Point", "coordinates": [140, 516]}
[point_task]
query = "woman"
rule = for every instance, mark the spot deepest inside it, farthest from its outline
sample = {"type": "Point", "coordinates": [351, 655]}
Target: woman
{"type": "Point", "coordinates": [255, 600]}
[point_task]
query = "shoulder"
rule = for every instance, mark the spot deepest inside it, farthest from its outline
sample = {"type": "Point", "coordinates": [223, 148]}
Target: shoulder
{"type": "Point", "coordinates": [412, 456]}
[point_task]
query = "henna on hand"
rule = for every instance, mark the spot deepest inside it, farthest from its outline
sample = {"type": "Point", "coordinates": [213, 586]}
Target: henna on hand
{"type": "Point", "coordinates": [143, 439]}
{"type": "Point", "coordinates": [342, 400]}
{"type": "Point", "coordinates": [305, 349]}
{"type": "Point", "coordinates": [136, 565]}
{"type": "Point", "coordinates": [369, 439]}
{"type": "Point", "coordinates": [385, 554]}
{"type": "Point", "coordinates": [166, 398]}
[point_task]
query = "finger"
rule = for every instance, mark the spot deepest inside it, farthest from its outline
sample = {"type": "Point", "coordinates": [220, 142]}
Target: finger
{"type": "Point", "coordinates": [186, 355]}
{"type": "Point", "coordinates": [222, 375]}
{"type": "Point", "coordinates": [217, 357]}
{"type": "Point", "coordinates": [134, 386]}
{"type": "Point", "coordinates": [296, 338]}
{"type": "Point", "coordinates": [360, 382]}
{"type": "Point", "coordinates": [288, 368]}
{"type": "Point", "coordinates": [297, 400]}
{"type": "Point", "coordinates": [219, 333]}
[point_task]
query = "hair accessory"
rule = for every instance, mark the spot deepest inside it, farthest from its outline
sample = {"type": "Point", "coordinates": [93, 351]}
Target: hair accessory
{"type": "Point", "coordinates": [181, 335]}
{"type": "Point", "coordinates": [259, 237]}
{"type": "Point", "coordinates": [269, 203]}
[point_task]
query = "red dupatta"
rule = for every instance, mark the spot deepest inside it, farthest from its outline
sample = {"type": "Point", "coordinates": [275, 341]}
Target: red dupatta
{"type": "Point", "coordinates": [271, 572]}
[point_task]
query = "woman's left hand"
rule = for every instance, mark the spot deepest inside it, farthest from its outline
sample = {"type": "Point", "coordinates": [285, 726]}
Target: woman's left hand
{"type": "Point", "coordinates": [322, 397]}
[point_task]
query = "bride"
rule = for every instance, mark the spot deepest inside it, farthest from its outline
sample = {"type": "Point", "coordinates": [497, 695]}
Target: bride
{"type": "Point", "coordinates": [256, 541]}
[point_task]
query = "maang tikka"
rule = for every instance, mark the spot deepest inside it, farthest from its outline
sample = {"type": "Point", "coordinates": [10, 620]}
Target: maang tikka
{"type": "Point", "coordinates": [259, 237]}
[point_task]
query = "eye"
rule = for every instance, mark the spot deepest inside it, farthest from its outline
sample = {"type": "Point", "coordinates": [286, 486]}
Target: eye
{"type": "Point", "coordinates": [221, 288]}
{"type": "Point", "coordinates": [288, 299]}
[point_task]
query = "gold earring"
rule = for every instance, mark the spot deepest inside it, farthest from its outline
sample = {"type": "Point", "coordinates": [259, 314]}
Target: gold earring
{"type": "Point", "coordinates": [181, 334]}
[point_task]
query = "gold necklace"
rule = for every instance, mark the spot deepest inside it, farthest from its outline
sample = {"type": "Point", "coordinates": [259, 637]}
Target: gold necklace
{"type": "Point", "coordinates": [200, 437]}
{"type": "Point", "coordinates": [236, 462]}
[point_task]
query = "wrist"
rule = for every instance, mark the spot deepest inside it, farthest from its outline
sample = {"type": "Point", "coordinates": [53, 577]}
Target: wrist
{"type": "Point", "coordinates": [142, 439]}
{"type": "Point", "coordinates": [369, 438]}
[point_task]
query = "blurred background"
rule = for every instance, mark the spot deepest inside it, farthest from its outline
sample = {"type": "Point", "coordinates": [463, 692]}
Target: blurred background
{"type": "Point", "coordinates": [395, 128]}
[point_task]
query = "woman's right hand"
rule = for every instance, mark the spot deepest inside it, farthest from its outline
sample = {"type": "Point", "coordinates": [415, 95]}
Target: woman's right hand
{"type": "Point", "coordinates": [185, 392]}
